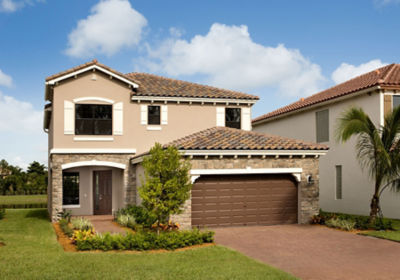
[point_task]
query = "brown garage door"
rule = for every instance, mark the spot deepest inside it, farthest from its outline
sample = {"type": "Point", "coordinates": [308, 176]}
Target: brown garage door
{"type": "Point", "coordinates": [241, 200]}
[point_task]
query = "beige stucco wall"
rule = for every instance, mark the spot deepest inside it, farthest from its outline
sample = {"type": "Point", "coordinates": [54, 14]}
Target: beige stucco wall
{"type": "Point", "coordinates": [183, 119]}
{"type": "Point", "coordinates": [357, 186]}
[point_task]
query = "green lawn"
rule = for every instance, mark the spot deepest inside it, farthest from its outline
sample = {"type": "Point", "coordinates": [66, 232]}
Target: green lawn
{"type": "Point", "coordinates": [390, 235]}
{"type": "Point", "coordinates": [23, 199]}
{"type": "Point", "coordinates": [32, 252]}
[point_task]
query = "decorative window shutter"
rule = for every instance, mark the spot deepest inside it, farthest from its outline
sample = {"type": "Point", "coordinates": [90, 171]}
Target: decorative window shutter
{"type": "Point", "coordinates": [246, 118]}
{"type": "Point", "coordinates": [164, 114]}
{"type": "Point", "coordinates": [69, 117]}
{"type": "Point", "coordinates": [118, 118]}
{"type": "Point", "coordinates": [220, 116]}
{"type": "Point", "coordinates": [143, 114]}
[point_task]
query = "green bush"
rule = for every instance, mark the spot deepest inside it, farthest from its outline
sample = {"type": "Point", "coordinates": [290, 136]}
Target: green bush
{"type": "Point", "coordinates": [81, 224]}
{"type": "Point", "coordinates": [126, 220]}
{"type": "Point", "coordinates": [345, 220]}
{"type": "Point", "coordinates": [64, 225]}
{"type": "Point", "coordinates": [145, 240]}
{"type": "Point", "coordinates": [341, 224]}
{"type": "Point", "coordinates": [2, 213]}
{"type": "Point", "coordinates": [139, 213]}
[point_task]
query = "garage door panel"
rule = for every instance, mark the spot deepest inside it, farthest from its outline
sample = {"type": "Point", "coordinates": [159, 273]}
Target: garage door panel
{"type": "Point", "coordinates": [244, 200]}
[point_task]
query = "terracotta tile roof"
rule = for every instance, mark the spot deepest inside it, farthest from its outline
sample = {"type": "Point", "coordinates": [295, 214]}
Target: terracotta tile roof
{"type": "Point", "coordinates": [387, 76]}
{"type": "Point", "coordinates": [224, 138]}
{"type": "Point", "coordinates": [153, 85]}
{"type": "Point", "coordinates": [84, 65]}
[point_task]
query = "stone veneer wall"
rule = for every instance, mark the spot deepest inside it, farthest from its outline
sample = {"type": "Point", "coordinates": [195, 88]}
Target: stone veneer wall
{"type": "Point", "coordinates": [55, 177]}
{"type": "Point", "coordinates": [308, 194]}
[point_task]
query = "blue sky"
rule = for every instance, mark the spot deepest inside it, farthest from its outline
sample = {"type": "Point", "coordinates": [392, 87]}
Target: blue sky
{"type": "Point", "coordinates": [279, 50]}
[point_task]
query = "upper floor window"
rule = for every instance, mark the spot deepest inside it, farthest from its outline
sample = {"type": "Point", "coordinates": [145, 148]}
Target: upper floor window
{"type": "Point", "coordinates": [233, 117]}
{"type": "Point", "coordinates": [154, 115]}
{"type": "Point", "coordinates": [396, 101]}
{"type": "Point", "coordinates": [322, 125]}
{"type": "Point", "coordinates": [70, 188]}
{"type": "Point", "coordinates": [93, 119]}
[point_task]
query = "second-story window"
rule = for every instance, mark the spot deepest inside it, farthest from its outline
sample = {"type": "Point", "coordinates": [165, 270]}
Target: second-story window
{"type": "Point", "coordinates": [322, 125]}
{"type": "Point", "coordinates": [396, 101]}
{"type": "Point", "coordinates": [153, 116]}
{"type": "Point", "coordinates": [233, 117]}
{"type": "Point", "coordinates": [93, 119]}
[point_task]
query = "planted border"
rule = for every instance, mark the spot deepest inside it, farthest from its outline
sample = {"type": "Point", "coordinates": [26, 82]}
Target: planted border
{"type": "Point", "coordinates": [23, 205]}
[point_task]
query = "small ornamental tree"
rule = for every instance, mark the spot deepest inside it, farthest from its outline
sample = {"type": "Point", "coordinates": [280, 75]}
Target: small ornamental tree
{"type": "Point", "coordinates": [166, 184]}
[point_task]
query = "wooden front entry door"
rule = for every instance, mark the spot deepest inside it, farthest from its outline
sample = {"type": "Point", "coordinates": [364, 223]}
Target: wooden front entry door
{"type": "Point", "coordinates": [102, 192]}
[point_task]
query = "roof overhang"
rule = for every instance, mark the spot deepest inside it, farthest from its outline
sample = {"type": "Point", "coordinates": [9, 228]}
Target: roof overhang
{"type": "Point", "coordinates": [248, 153]}
{"type": "Point", "coordinates": [47, 118]}
{"type": "Point", "coordinates": [190, 100]}
{"type": "Point", "coordinates": [93, 67]}
{"type": "Point", "coordinates": [320, 104]}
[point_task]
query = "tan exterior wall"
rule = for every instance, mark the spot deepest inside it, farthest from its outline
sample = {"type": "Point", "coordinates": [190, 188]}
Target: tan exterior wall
{"type": "Point", "coordinates": [308, 194]}
{"type": "Point", "coordinates": [357, 186]}
{"type": "Point", "coordinates": [183, 119]}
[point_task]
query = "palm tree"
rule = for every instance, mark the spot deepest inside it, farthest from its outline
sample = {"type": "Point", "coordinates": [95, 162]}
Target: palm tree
{"type": "Point", "coordinates": [378, 149]}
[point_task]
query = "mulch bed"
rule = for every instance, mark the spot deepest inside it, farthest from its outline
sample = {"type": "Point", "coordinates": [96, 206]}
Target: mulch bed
{"type": "Point", "coordinates": [68, 246]}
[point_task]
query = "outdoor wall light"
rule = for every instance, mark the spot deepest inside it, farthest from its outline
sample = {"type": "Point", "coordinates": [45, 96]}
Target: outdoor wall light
{"type": "Point", "coordinates": [310, 179]}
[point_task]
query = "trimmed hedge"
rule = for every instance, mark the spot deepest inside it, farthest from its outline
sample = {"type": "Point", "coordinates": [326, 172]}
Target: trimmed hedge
{"type": "Point", "coordinates": [23, 206]}
{"type": "Point", "coordinates": [145, 240]}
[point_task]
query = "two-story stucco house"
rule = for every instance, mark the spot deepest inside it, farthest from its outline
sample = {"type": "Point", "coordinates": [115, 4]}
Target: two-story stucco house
{"type": "Point", "coordinates": [101, 123]}
{"type": "Point", "coordinates": [344, 186]}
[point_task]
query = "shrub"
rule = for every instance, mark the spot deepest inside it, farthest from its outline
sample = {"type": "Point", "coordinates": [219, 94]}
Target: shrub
{"type": "Point", "coordinates": [2, 213]}
{"type": "Point", "coordinates": [81, 223]}
{"type": "Point", "coordinates": [64, 225]}
{"type": "Point", "coordinates": [143, 240]}
{"type": "Point", "coordinates": [341, 224]}
{"type": "Point", "coordinates": [65, 214]}
{"type": "Point", "coordinates": [139, 213]}
{"type": "Point", "coordinates": [126, 220]}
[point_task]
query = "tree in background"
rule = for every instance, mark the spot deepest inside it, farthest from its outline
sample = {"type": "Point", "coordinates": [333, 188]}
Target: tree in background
{"type": "Point", "coordinates": [15, 181]}
{"type": "Point", "coordinates": [166, 184]}
{"type": "Point", "coordinates": [378, 150]}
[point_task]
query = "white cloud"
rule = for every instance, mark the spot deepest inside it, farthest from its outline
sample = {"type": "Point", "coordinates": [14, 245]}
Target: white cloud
{"type": "Point", "coordinates": [386, 2]}
{"type": "Point", "coordinates": [23, 139]}
{"type": "Point", "coordinates": [18, 116]}
{"type": "Point", "coordinates": [348, 71]}
{"type": "Point", "coordinates": [5, 80]}
{"type": "Point", "coordinates": [228, 57]}
{"type": "Point", "coordinates": [112, 25]}
{"type": "Point", "coordinates": [10, 6]}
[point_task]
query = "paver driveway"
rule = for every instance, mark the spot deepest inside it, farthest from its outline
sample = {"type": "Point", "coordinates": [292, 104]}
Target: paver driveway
{"type": "Point", "coordinates": [316, 252]}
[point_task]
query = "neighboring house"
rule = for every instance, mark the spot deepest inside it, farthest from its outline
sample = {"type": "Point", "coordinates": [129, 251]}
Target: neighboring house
{"type": "Point", "coordinates": [344, 187]}
{"type": "Point", "coordinates": [101, 123]}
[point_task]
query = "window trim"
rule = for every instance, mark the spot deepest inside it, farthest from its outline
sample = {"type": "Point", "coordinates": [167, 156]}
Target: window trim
{"type": "Point", "coordinates": [159, 115]}
{"type": "Point", "coordinates": [240, 116]}
{"type": "Point", "coordinates": [93, 119]}
{"type": "Point", "coordinates": [72, 173]}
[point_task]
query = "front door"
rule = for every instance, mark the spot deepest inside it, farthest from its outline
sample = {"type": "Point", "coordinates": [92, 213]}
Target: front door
{"type": "Point", "coordinates": [102, 192]}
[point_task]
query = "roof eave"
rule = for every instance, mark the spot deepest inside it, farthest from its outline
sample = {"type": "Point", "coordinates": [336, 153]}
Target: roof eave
{"type": "Point", "coordinates": [150, 98]}
{"type": "Point", "coordinates": [320, 104]}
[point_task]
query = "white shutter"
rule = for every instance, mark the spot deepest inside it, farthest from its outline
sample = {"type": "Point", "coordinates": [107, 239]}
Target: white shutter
{"type": "Point", "coordinates": [69, 118]}
{"type": "Point", "coordinates": [246, 118]}
{"type": "Point", "coordinates": [143, 114]}
{"type": "Point", "coordinates": [164, 114]}
{"type": "Point", "coordinates": [220, 116]}
{"type": "Point", "coordinates": [118, 118]}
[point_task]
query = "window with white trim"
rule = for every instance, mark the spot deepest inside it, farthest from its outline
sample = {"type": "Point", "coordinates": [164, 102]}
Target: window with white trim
{"type": "Point", "coordinates": [233, 117]}
{"type": "Point", "coordinates": [93, 119]}
{"type": "Point", "coordinates": [396, 101]}
{"type": "Point", "coordinates": [153, 114]}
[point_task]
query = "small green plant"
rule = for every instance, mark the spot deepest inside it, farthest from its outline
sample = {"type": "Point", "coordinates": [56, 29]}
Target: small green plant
{"type": "Point", "coordinates": [2, 213]}
{"type": "Point", "coordinates": [65, 227]}
{"type": "Point", "coordinates": [66, 214]}
{"type": "Point", "coordinates": [126, 220]}
{"type": "Point", "coordinates": [341, 224]}
{"type": "Point", "coordinates": [81, 223]}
